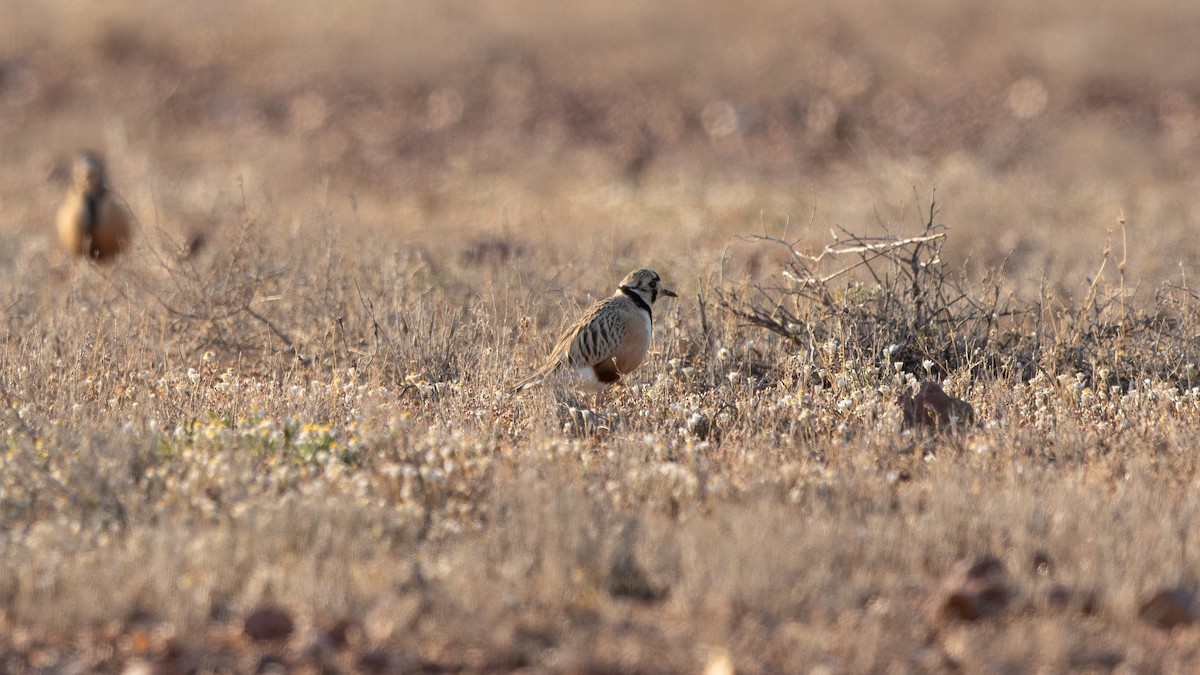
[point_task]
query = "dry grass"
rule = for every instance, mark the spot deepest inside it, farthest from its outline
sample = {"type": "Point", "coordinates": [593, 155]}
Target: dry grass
{"type": "Point", "coordinates": [403, 205]}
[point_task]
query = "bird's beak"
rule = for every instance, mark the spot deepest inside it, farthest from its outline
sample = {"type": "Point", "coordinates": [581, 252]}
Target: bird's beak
{"type": "Point", "coordinates": [669, 293]}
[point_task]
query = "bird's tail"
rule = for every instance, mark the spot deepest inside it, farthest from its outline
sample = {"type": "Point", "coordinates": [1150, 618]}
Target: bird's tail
{"type": "Point", "coordinates": [536, 378]}
{"type": "Point", "coordinates": [528, 383]}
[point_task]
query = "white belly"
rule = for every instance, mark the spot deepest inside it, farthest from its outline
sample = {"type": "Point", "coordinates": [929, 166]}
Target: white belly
{"type": "Point", "coordinates": [588, 381]}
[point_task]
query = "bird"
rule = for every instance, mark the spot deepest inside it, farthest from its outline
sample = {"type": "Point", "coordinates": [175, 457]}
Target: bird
{"type": "Point", "coordinates": [931, 407]}
{"type": "Point", "coordinates": [91, 222]}
{"type": "Point", "coordinates": [610, 339]}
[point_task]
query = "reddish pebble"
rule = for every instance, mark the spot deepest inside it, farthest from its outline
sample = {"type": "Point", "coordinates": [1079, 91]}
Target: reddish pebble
{"type": "Point", "coordinates": [974, 590]}
{"type": "Point", "coordinates": [1169, 608]}
{"type": "Point", "coordinates": [268, 623]}
{"type": "Point", "coordinates": [343, 633]}
{"type": "Point", "coordinates": [374, 662]}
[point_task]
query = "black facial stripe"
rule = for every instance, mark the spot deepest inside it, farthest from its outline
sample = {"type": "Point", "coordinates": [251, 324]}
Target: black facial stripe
{"type": "Point", "coordinates": [91, 203]}
{"type": "Point", "coordinates": [639, 301]}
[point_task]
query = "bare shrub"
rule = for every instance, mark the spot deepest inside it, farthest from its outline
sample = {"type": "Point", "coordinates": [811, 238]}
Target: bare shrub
{"type": "Point", "coordinates": [895, 299]}
{"type": "Point", "coordinates": [884, 296]}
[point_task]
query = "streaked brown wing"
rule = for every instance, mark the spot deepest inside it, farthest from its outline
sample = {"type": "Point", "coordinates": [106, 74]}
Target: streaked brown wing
{"type": "Point", "coordinates": [598, 335]}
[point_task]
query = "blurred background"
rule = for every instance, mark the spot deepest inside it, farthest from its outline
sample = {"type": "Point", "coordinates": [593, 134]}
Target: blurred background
{"type": "Point", "coordinates": [624, 128]}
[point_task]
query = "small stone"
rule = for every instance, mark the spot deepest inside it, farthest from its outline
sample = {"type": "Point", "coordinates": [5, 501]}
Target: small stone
{"type": "Point", "coordinates": [374, 662]}
{"type": "Point", "coordinates": [161, 666]}
{"type": "Point", "coordinates": [343, 633]}
{"type": "Point", "coordinates": [1058, 597]}
{"type": "Point", "coordinates": [1092, 661]}
{"type": "Point", "coordinates": [974, 590]}
{"type": "Point", "coordinates": [268, 623]}
{"type": "Point", "coordinates": [963, 606]}
{"type": "Point", "coordinates": [931, 407]}
{"type": "Point", "coordinates": [1169, 608]}
{"type": "Point", "coordinates": [140, 641]}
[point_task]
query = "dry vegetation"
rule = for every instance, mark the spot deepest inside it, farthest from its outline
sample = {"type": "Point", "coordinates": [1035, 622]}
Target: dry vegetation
{"type": "Point", "coordinates": [403, 202]}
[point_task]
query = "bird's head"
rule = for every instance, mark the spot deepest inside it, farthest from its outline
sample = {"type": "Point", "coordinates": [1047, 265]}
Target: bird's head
{"type": "Point", "coordinates": [646, 283]}
{"type": "Point", "coordinates": [89, 172]}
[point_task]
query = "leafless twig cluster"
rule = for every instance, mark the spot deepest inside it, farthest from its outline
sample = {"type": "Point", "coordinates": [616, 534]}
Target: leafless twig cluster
{"type": "Point", "coordinates": [895, 297]}
{"type": "Point", "coordinates": [876, 293]}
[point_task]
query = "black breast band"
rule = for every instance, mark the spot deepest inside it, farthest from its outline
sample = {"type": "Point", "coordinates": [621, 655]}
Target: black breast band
{"type": "Point", "coordinates": [639, 301]}
{"type": "Point", "coordinates": [91, 205]}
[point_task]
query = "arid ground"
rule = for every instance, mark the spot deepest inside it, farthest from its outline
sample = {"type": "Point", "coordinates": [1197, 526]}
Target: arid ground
{"type": "Point", "coordinates": [294, 449]}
